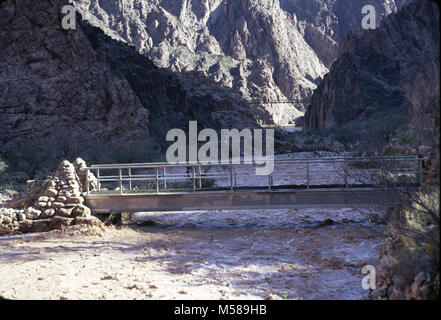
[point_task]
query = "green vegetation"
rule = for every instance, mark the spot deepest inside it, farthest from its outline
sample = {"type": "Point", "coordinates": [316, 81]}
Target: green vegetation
{"type": "Point", "coordinates": [378, 131]}
{"type": "Point", "coordinates": [188, 184]}
{"type": "Point", "coordinates": [373, 134]}
{"type": "Point", "coordinates": [330, 139]}
{"type": "Point", "coordinates": [170, 185]}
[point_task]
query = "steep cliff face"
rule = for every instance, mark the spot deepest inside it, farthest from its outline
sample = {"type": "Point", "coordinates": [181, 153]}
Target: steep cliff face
{"type": "Point", "coordinates": [326, 22]}
{"type": "Point", "coordinates": [269, 50]}
{"type": "Point", "coordinates": [395, 67]}
{"type": "Point", "coordinates": [52, 82]}
{"type": "Point", "coordinates": [81, 85]}
{"type": "Point", "coordinates": [172, 98]}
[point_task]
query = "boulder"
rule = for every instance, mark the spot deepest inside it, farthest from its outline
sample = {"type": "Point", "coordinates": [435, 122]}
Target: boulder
{"type": "Point", "coordinates": [7, 220]}
{"type": "Point", "coordinates": [81, 211]}
{"type": "Point", "coordinates": [61, 199]}
{"type": "Point", "coordinates": [51, 192]}
{"type": "Point", "coordinates": [43, 225]}
{"type": "Point", "coordinates": [43, 199]}
{"type": "Point", "coordinates": [41, 205]}
{"type": "Point", "coordinates": [20, 203]}
{"type": "Point", "coordinates": [64, 212]}
{"type": "Point", "coordinates": [48, 213]}
{"type": "Point", "coordinates": [79, 164]}
{"type": "Point", "coordinates": [75, 200]}
{"type": "Point", "coordinates": [94, 221]}
{"type": "Point", "coordinates": [57, 205]}
{"type": "Point", "coordinates": [25, 226]}
{"type": "Point", "coordinates": [21, 216]}
{"type": "Point", "coordinates": [51, 184]}
{"type": "Point", "coordinates": [60, 223]}
{"type": "Point", "coordinates": [70, 176]}
{"type": "Point", "coordinates": [32, 213]}
{"type": "Point", "coordinates": [67, 194]}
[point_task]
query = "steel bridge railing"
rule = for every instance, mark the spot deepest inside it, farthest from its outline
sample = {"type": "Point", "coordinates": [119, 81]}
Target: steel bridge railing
{"type": "Point", "coordinates": [163, 175]}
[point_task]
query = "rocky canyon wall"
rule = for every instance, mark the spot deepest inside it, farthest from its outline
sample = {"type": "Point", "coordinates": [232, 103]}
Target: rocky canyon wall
{"type": "Point", "coordinates": [395, 66]}
{"type": "Point", "coordinates": [73, 85]}
{"type": "Point", "coordinates": [269, 50]}
{"type": "Point", "coordinates": [53, 83]}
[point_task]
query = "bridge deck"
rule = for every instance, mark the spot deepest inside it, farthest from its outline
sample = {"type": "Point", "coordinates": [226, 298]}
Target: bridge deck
{"type": "Point", "coordinates": [344, 182]}
{"type": "Point", "coordinates": [246, 199]}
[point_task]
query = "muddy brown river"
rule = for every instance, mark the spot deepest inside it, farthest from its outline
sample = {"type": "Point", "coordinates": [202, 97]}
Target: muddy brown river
{"type": "Point", "coordinates": [259, 254]}
{"type": "Point", "coordinates": [243, 254]}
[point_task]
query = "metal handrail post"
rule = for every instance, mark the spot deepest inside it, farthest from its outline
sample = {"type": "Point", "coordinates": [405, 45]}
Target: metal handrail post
{"type": "Point", "coordinates": [231, 177]}
{"type": "Point", "coordinates": [120, 182]}
{"type": "Point", "coordinates": [98, 182]}
{"type": "Point", "coordinates": [157, 180]}
{"type": "Point", "coordinates": [193, 172]}
{"type": "Point", "coordinates": [415, 164]}
{"type": "Point", "coordinates": [87, 181]}
{"type": "Point", "coordinates": [345, 168]}
{"type": "Point", "coordinates": [307, 175]}
{"type": "Point", "coordinates": [165, 177]}
{"type": "Point", "coordinates": [270, 181]}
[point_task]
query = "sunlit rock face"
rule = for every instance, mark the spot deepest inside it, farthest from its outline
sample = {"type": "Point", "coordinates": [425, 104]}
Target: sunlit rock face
{"type": "Point", "coordinates": [268, 50]}
{"type": "Point", "coordinates": [394, 66]}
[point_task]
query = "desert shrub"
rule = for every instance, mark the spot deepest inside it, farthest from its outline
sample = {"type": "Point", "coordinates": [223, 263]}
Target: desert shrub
{"type": "Point", "coordinates": [31, 157]}
{"type": "Point", "coordinates": [344, 135]}
{"type": "Point", "coordinates": [409, 259]}
{"type": "Point", "coordinates": [12, 181]}
{"type": "Point", "coordinates": [417, 227]}
{"type": "Point", "coordinates": [380, 128]}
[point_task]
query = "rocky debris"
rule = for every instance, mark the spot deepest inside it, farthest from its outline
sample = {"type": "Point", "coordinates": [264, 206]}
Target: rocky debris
{"type": "Point", "coordinates": [394, 66]}
{"type": "Point", "coordinates": [10, 221]}
{"type": "Point", "coordinates": [54, 203]}
{"type": "Point", "coordinates": [267, 50]}
{"type": "Point", "coordinates": [390, 286]}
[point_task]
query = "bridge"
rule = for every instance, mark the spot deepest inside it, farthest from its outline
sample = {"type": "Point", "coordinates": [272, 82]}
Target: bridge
{"type": "Point", "coordinates": [295, 183]}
